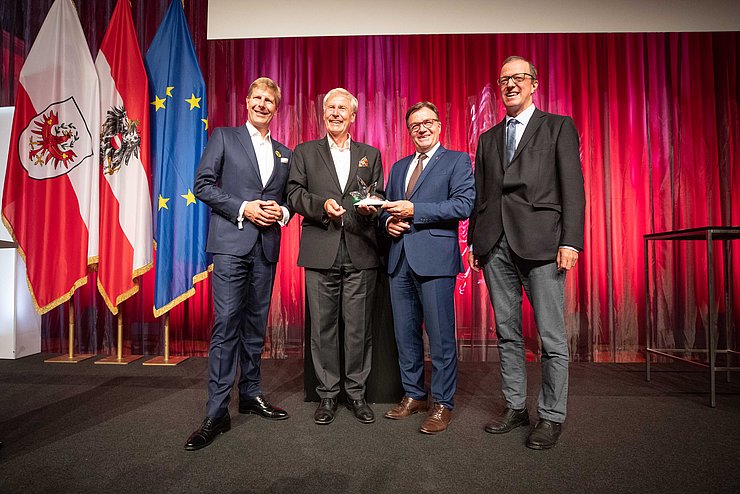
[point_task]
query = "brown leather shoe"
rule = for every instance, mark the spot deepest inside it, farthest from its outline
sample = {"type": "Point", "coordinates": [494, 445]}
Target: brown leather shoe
{"type": "Point", "coordinates": [406, 408]}
{"type": "Point", "coordinates": [437, 420]}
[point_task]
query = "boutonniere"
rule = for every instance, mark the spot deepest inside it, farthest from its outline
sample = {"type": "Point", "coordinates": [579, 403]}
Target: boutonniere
{"type": "Point", "coordinates": [277, 153]}
{"type": "Point", "coordinates": [364, 163]}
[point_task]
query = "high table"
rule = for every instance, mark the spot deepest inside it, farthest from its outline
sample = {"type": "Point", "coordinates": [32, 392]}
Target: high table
{"type": "Point", "coordinates": [708, 234]}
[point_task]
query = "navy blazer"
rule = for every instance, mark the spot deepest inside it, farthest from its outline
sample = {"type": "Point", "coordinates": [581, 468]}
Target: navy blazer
{"type": "Point", "coordinates": [443, 195]}
{"type": "Point", "coordinates": [228, 175]}
{"type": "Point", "coordinates": [539, 200]}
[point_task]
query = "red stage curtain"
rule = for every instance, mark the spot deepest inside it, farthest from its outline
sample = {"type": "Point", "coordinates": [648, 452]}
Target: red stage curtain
{"type": "Point", "coordinates": [658, 118]}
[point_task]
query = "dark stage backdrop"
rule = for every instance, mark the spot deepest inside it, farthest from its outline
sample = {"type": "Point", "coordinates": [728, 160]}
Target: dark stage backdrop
{"type": "Point", "coordinates": [658, 118]}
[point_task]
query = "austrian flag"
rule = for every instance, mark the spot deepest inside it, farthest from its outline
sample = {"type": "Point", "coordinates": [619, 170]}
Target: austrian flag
{"type": "Point", "coordinates": [125, 198]}
{"type": "Point", "coordinates": [50, 199]}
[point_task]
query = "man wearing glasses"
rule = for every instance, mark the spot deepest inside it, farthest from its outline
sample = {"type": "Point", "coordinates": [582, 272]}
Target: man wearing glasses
{"type": "Point", "coordinates": [526, 231]}
{"type": "Point", "coordinates": [430, 192]}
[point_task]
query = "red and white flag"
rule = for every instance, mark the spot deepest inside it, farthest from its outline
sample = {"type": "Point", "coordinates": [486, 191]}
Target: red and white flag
{"type": "Point", "coordinates": [50, 198]}
{"type": "Point", "coordinates": [125, 197]}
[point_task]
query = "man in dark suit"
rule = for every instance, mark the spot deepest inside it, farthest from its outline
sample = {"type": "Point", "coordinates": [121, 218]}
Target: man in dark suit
{"type": "Point", "coordinates": [339, 251]}
{"type": "Point", "coordinates": [241, 177]}
{"type": "Point", "coordinates": [526, 231]}
{"type": "Point", "coordinates": [431, 191]}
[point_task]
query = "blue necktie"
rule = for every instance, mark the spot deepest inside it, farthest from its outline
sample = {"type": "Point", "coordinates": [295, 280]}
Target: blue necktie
{"type": "Point", "coordinates": [510, 140]}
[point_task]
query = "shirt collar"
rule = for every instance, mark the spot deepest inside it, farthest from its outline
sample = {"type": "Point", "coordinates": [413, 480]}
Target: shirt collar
{"type": "Point", "coordinates": [254, 133]}
{"type": "Point", "coordinates": [429, 153]}
{"type": "Point", "coordinates": [523, 117]}
{"type": "Point", "coordinates": [334, 145]}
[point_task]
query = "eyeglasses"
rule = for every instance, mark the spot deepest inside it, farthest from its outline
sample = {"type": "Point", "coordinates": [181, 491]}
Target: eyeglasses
{"type": "Point", "coordinates": [517, 78]}
{"type": "Point", "coordinates": [428, 124]}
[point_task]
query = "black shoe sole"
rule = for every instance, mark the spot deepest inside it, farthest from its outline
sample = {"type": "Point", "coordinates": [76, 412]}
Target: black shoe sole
{"type": "Point", "coordinates": [362, 421]}
{"type": "Point", "coordinates": [540, 447]}
{"type": "Point", "coordinates": [323, 422]}
{"type": "Point", "coordinates": [252, 412]}
{"type": "Point", "coordinates": [196, 448]}
{"type": "Point", "coordinates": [504, 431]}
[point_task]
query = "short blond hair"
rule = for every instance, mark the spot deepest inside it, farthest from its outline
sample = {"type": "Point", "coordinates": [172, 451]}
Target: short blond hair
{"type": "Point", "coordinates": [269, 84]}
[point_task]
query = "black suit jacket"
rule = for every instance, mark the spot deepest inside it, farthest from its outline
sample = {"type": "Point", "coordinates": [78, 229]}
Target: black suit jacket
{"type": "Point", "coordinates": [228, 174]}
{"type": "Point", "coordinates": [539, 200]}
{"type": "Point", "coordinates": [313, 179]}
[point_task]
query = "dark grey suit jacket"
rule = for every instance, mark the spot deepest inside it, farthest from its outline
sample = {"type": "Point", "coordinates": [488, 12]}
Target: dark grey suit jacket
{"type": "Point", "coordinates": [313, 179]}
{"type": "Point", "coordinates": [539, 201]}
{"type": "Point", "coordinates": [228, 174]}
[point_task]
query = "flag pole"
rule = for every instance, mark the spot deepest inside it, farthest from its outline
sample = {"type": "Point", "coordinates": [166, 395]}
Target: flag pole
{"type": "Point", "coordinates": [70, 358]}
{"type": "Point", "coordinates": [166, 360]}
{"type": "Point", "coordinates": [119, 359]}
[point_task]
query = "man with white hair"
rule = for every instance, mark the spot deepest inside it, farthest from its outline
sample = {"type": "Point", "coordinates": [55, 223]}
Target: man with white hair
{"type": "Point", "coordinates": [339, 253]}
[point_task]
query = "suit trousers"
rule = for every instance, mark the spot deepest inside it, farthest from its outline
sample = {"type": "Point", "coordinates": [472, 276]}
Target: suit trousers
{"type": "Point", "coordinates": [351, 291]}
{"type": "Point", "coordinates": [505, 274]}
{"type": "Point", "coordinates": [242, 288]}
{"type": "Point", "coordinates": [429, 300]}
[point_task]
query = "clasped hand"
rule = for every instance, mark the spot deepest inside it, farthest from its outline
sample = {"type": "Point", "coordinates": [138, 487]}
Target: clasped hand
{"type": "Point", "coordinates": [400, 211]}
{"type": "Point", "coordinates": [263, 213]}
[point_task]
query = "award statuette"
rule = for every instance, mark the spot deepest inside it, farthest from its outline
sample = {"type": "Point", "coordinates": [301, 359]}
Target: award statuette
{"type": "Point", "coordinates": [365, 194]}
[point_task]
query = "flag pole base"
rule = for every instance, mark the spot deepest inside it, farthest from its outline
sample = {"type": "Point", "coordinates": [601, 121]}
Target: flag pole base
{"type": "Point", "coordinates": [165, 362]}
{"type": "Point", "coordinates": [66, 359]}
{"type": "Point", "coordinates": [115, 360]}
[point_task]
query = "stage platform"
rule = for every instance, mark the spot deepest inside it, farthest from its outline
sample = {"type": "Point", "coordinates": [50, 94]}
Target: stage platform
{"type": "Point", "coordinates": [92, 428]}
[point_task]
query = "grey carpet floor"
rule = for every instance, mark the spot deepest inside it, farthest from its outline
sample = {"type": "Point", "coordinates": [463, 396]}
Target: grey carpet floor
{"type": "Point", "coordinates": [96, 428]}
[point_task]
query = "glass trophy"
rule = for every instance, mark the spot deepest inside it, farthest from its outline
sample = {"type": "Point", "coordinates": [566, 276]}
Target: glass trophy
{"type": "Point", "coordinates": [365, 194]}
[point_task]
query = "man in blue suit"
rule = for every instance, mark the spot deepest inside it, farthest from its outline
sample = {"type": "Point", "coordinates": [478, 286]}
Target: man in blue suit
{"type": "Point", "coordinates": [430, 192]}
{"type": "Point", "coordinates": [241, 177]}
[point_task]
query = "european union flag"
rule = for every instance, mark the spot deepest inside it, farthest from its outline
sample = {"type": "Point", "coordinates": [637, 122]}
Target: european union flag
{"type": "Point", "coordinates": [178, 136]}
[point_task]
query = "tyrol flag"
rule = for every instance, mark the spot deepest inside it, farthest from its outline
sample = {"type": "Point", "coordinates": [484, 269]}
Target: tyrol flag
{"type": "Point", "coordinates": [125, 198]}
{"type": "Point", "coordinates": [50, 198]}
{"type": "Point", "coordinates": [179, 123]}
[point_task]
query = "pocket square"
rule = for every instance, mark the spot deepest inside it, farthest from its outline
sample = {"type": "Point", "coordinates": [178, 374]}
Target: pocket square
{"type": "Point", "coordinates": [363, 162]}
{"type": "Point", "coordinates": [284, 160]}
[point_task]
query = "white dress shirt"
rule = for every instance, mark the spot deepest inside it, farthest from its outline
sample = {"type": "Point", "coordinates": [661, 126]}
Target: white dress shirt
{"type": "Point", "coordinates": [340, 156]}
{"type": "Point", "coordinates": [266, 163]}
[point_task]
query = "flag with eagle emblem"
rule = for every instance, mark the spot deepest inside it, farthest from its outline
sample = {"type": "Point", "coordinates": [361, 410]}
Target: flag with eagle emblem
{"type": "Point", "coordinates": [125, 249]}
{"type": "Point", "coordinates": [50, 197]}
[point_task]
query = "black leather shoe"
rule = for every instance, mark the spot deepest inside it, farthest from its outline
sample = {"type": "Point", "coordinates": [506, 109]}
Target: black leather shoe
{"type": "Point", "coordinates": [209, 429]}
{"type": "Point", "coordinates": [260, 406]}
{"type": "Point", "coordinates": [545, 435]}
{"type": "Point", "coordinates": [324, 414]}
{"type": "Point", "coordinates": [509, 421]}
{"type": "Point", "coordinates": [362, 410]}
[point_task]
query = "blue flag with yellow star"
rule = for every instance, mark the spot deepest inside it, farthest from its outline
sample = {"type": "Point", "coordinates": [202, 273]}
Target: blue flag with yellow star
{"type": "Point", "coordinates": [178, 136]}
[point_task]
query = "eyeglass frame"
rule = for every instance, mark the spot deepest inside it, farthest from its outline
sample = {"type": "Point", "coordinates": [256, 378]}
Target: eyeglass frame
{"type": "Point", "coordinates": [415, 127]}
{"type": "Point", "coordinates": [504, 80]}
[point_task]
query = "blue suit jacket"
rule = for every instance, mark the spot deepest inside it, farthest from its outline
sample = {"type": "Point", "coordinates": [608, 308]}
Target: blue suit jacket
{"type": "Point", "coordinates": [443, 195]}
{"type": "Point", "coordinates": [228, 174]}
